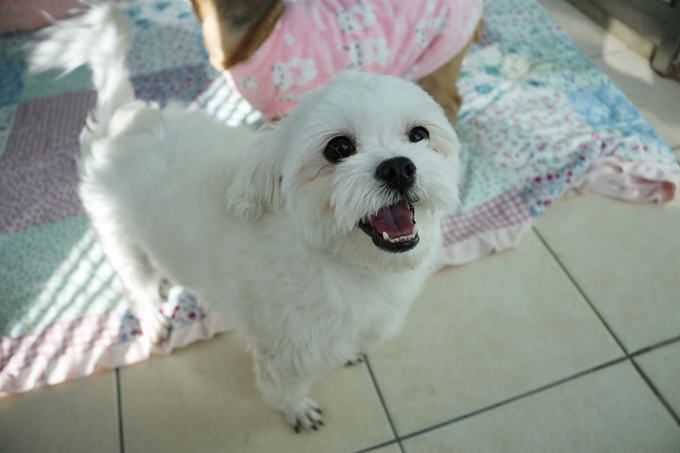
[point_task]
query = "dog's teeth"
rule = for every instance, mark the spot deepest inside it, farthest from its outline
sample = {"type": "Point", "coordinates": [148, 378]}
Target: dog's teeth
{"type": "Point", "coordinates": [398, 239]}
{"type": "Point", "coordinates": [415, 229]}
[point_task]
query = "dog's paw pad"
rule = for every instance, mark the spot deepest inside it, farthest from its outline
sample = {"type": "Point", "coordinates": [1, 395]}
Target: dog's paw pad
{"type": "Point", "coordinates": [356, 361]}
{"type": "Point", "coordinates": [307, 416]}
{"type": "Point", "coordinates": [156, 328]}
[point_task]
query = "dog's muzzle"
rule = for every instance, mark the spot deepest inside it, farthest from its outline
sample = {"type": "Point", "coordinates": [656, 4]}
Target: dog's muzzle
{"type": "Point", "coordinates": [393, 228]}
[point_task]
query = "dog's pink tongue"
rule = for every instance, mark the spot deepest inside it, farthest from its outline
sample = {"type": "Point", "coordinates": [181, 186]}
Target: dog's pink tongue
{"type": "Point", "coordinates": [395, 220]}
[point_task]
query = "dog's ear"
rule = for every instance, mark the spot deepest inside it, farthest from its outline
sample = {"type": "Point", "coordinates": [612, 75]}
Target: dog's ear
{"type": "Point", "coordinates": [256, 184]}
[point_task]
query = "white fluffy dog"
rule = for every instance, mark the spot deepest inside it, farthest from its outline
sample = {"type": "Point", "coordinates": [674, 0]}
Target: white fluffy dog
{"type": "Point", "coordinates": [304, 234]}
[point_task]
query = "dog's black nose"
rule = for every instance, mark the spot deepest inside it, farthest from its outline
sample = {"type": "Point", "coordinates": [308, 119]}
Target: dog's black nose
{"type": "Point", "coordinates": [398, 173]}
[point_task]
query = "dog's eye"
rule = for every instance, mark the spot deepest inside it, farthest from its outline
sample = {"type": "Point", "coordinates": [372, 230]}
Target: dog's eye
{"type": "Point", "coordinates": [418, 134]}
{"type": "Point", "coordinates": [339, 148]}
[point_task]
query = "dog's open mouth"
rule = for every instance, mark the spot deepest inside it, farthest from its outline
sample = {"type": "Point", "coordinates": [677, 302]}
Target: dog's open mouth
{"type": "Point", "coordinates": [393, 228]}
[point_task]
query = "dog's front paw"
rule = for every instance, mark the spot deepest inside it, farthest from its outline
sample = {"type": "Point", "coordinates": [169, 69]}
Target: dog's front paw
{"type": "Point", "coordinates": [306, 416]}
{"type": "Point", "coordinates": [156, 327]}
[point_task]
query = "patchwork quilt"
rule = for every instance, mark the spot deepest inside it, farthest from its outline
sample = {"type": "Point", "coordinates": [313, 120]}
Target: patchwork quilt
{"type": "Point", "coordinates": [539, 119]}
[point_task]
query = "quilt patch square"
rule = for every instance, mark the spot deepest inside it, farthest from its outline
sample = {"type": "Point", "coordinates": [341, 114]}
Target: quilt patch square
{"type": "Point", "coordinates": [11, 83]}
{"type": "Point", "coordinates": [182, 84]}
{"type": "Point", "coordinates": [7, 114]}
{"type": "Point", "coordinates": [38, 174]}
{"type": "Point", "coordinates": [54, 83]}
{"type": "Point", "coordinates": [162, 48]}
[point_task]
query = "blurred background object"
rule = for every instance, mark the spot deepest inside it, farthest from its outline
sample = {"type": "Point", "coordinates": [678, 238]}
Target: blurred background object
{"type": "Point", "coordinates": [24, 15]}
{"type": "Point", "coordinates": [649, 27]}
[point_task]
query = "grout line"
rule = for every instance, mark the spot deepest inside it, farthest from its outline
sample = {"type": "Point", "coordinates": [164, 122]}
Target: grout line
{"type": "Point", "coordinates": [382, 401]}
{"type": "Point", "coordinates": [515, 398]}
{"type": "Point", "coordinates": [120, 412]}
{"type": "Point", "coordinates": [611, 332]}
{"type": "Point", "coordinates": [656, 391]}
{"type": "Point", "coordinates": [626, 357]}
{"type": "Point", "coordinates": [375, 447]}
{"type": "Point", "coordinates": [583, 294]}
{"type": "Point", "coordinates": [655, 346]}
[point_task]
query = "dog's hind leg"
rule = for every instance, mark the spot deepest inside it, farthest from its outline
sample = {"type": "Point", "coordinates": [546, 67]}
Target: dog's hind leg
{"type": "Point", "coordinates": [141, 283]}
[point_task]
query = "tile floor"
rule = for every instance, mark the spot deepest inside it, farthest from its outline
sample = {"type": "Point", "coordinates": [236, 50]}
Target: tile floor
{"type": "Point", "coordinates": [572, 345]}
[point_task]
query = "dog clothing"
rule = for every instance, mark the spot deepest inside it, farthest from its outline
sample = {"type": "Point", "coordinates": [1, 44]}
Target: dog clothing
{"type": "Point", "coordinates": [315, 40]}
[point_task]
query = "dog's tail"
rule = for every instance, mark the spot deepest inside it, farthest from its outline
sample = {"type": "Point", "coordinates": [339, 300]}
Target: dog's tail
{"type": "Point", "coordinates": [100, 39]}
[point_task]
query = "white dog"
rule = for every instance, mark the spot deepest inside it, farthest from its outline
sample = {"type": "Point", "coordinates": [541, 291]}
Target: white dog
{"type": "Point", "coordinates": [303, 234]}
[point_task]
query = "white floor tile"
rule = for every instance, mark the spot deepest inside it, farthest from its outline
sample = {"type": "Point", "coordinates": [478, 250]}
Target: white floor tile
{"type": "Point", "coordinates": [203, 399]}
{"type": "Point", "coordinates": [662, 367]}
{"type": "Point", "coordinates": [611, 410]}
{"type": "Point", "coordinates": [626, 258]}
{"type": "Point", "coordinates": [486, 332]}
{"type": "Point", "coordinates": [78, 416]}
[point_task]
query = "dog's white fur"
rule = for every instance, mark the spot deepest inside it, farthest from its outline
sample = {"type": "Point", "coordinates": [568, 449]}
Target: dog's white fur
{"type": "Point", "coordinates": [259, 224]}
